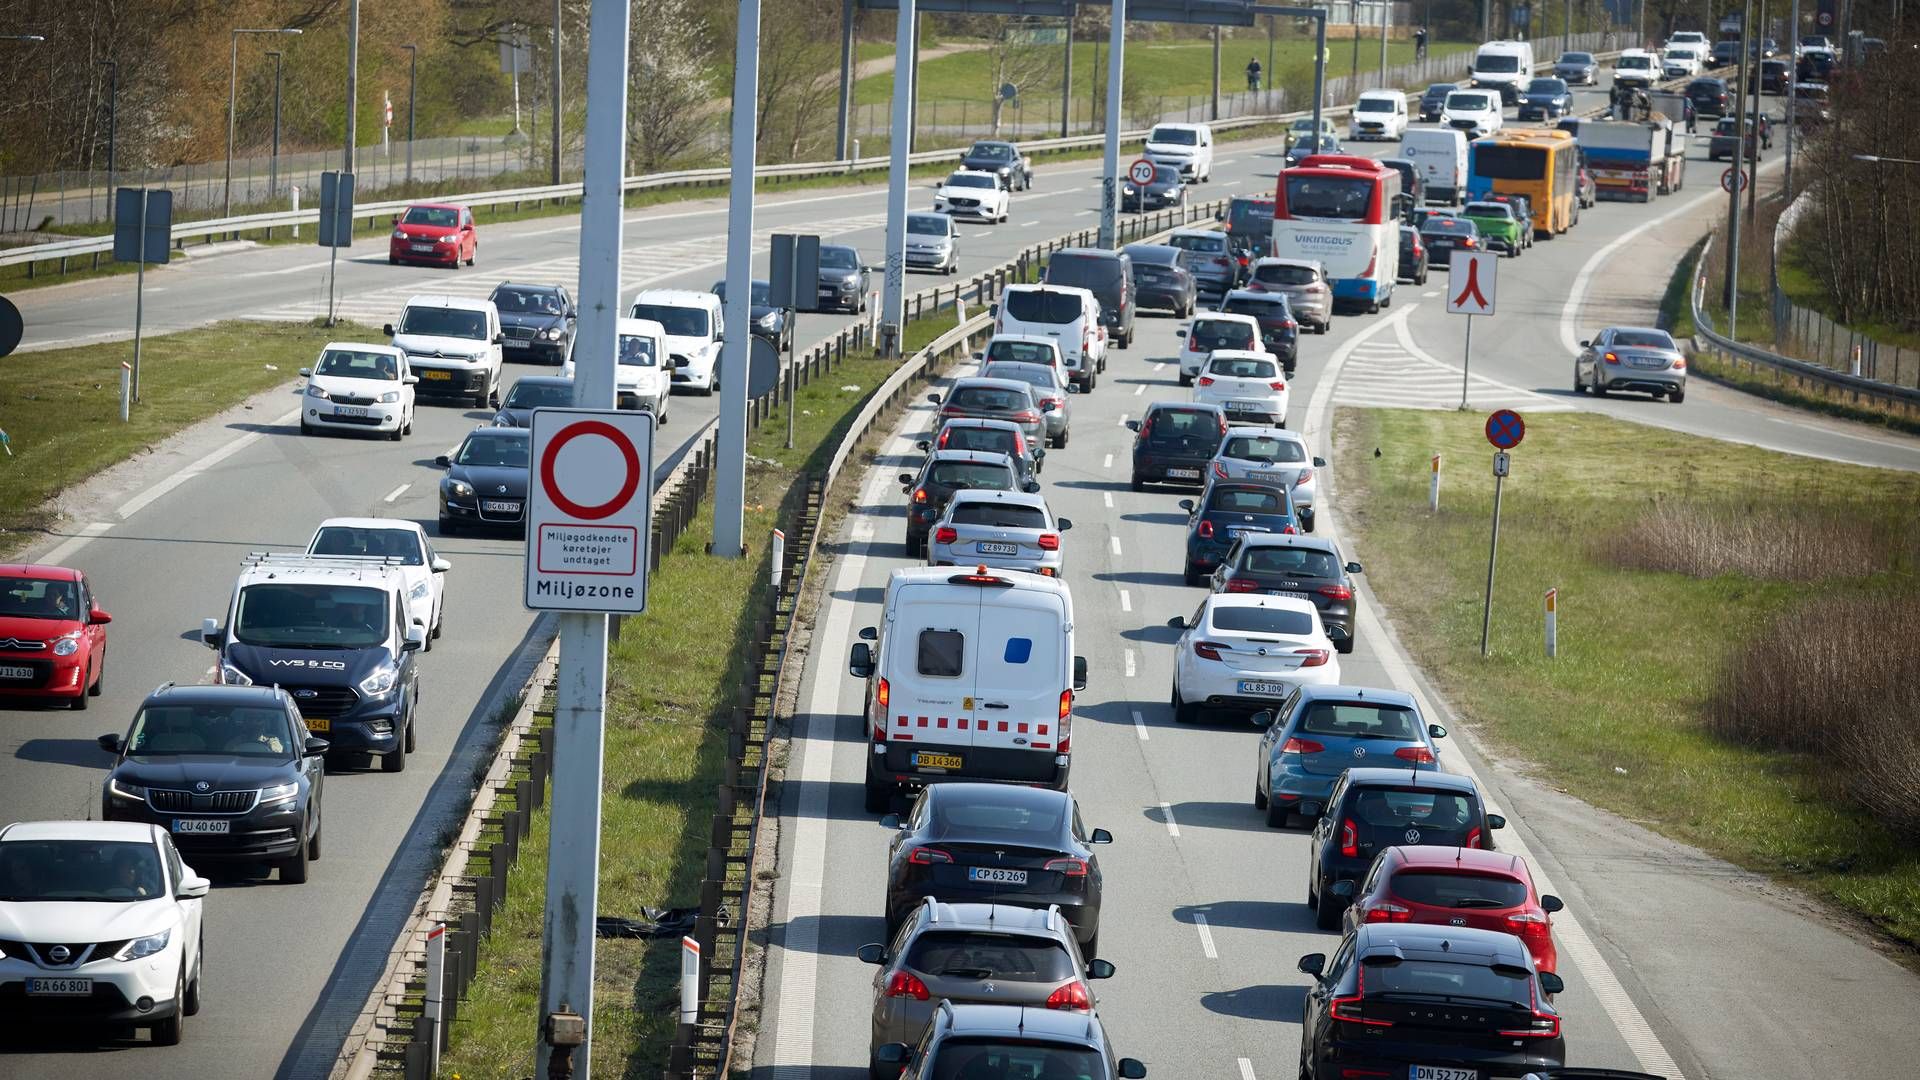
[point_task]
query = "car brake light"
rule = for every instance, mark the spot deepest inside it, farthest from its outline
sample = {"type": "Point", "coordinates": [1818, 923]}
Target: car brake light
{"type": "Point", "coordinates": [1473, 837]}
{"type": "Point", "coordinates": [944, 436]}
{"type": "Point", "coordinates": [1205, 380]}
{"type": "Point", "coordinates": [1218, 261]}
{"type": "Point", "coordinates": [1019, 444]}
{"type": "Point", "coordinates": [1349, 839]}
{"type": "Point", "coordinates": [1415, 753]}
{"type": "Point", "coordinates": [1466, 241]}
{"type": "Point", "coordinates": [1529, 924]}
{"type": "Point", "coordinates": [946, 534]}
{"type": "Point", "coordinates": [905, 984]}
{"type": "Point", "coordinates": [1072, 996]}
{"type": "Point", "coordinates": [1289, 530]}
{"type": "Point", "coordinates": [1289, 324]}
{"type": "Point", "coordinates": [1314, 657]}
{"type": "Point", "coordinates": [1066, 712]}
{"type": "Point", "coordinates": [1306, 476]}
{"type": "Point", "coordinates": [1297, 745]}
{"type": "Point", "coordinates": [927, 856]}
{"type": "Point", "coordinates": [1335, 592]}
{"type": "Point", "coordinates": [1067, 865]}
{"type": "Point", "coordinates": [1205, 530]}
{"type": "Point", "coordinates": [1207, 650]}
{"type": "Point", "coordinates": [920, 495]}
{"type": "Point", "coordinates": [1220, 471]}
{"type": "Point", "coordinates": [1611, 358]}
{"type": "Point", "coordinates": [1024, 417]}
{"type": "Point", "coordinates": [1049, 541]}
{"type": "Point", "coordinates": [1347, 1006]}
{"type": "Point", "coordinates": [1542, 1026]}
{"type": "Point", "coordinates": [1388, 913]}
{"type": "Point", "coordinates": [1278, 384]}
{"type": "Point", "coordinates": [1242, 585]}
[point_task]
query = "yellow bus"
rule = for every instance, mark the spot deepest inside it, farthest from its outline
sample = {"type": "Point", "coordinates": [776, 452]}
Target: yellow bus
{"type": "Point", "coordinates": [1541, 163]}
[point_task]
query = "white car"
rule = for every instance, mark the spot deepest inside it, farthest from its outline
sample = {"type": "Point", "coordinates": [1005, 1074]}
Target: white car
{"type": "Point", "coordinates": [1247, 652]}
{"type": "Point", "coordinates": [1680, 61]}
{"type": "Point", "coordinates": [421, 568]}
{"type": "Point", "coordinates": [640, 380]}
{"type": "Point", "coordinates": [1379, 114]}
{"type": "Point", "coordinates": [355, 387]}
{"type": "Point", "coordinates": [1216, 330]}
{"type": "Point", "coordinates": [102, 923]}
{"type": "Point", "coordinates": [693, 326]}
{"type": "Point", "coordinates": [1270, 456]}
{"type": "Point", "coordinates": [1637, 68]}
{"type": "Point", "coordinates": [1694, 38]}
{"type": "Point", "coordinates": [1476, 112]}
{"type": "Point", "coordinates": [1187, 147]}
{"type": "Point", "coordinates": [1248, 386]}
{"type": "Point", "coordinates": [972, 194]}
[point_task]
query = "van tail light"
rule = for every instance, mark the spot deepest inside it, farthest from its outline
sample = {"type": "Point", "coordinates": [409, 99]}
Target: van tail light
{"type": "Point", "coordinates": [881, 695]}
{"type": "Point", "coordinates": [1530, 925]}
{"type": "Point", "coordinates": [1297, 745]}
{"type": "Point", "coordinates": [1069, 866]}
{"type": "Point", "coordinates": [1313, 657]}
{"type": "Point", "coordinates": [1066, 713]}
{"type": "Point", "coordinates": [1349, 839]}
{"type": "Point", "coordinates": [1415, 753]}
{"type": "Point", "coordinates": [928, 856]}
{"type": "Point", "coordinates": [1206, 529]}
{"type": "Point", "coordinates": [1218, 261]}
{"type": "Point", "coordinates": [1207, 650]}
{"type": "Point", "coordinates": [946, 534]}
{"type": "Point", "coordinates": [1049, 541]}
{"type": "Point", "coordinates": [1204, 380]}
{"type": "Point", "coordinates": [1242, 585]}
{"type": "Point", "coordinates": [1277, 384]}
{"type": "Point", "coordinates": [1388, 913]}
{"type": "Point", "coordinates": [1611, 358]}
{"type": "Point", "coordinates": [1473, 837]}
{"type": "Point", "coordinates": [1335, 592]}
{"type": "Point", "coordinates": [919, 494]}
{"type": "Point", "coordinates": [1074, 996]}
{"type": "Point", "coordinates": [906, 984]}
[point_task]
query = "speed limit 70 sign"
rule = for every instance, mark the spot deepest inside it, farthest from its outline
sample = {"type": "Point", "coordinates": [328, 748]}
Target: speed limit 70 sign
{"type": "Point", "coordinates": [1141, 171]}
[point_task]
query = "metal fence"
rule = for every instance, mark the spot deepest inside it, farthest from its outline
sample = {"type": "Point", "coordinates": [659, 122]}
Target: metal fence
{"type": "Point", "coordinates": [1810, 335]}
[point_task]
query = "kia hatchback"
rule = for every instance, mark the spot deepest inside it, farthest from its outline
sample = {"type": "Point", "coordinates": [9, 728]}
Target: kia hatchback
{"type": "Point", "coordinates": [1487, 890]}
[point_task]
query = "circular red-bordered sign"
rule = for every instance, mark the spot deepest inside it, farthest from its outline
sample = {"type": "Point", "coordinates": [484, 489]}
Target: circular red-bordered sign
{"type": "Point", "coordinates": [1505, 429]}
{"type": "Point", "coordinates": [630, 456]}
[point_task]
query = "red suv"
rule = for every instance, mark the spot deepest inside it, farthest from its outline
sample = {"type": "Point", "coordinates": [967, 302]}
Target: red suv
{"type": "Point", "coordinates": [437, 233]}
{"type": "Point", "coordinates": [1451, 886]}
{"type": "Point", "coordinates": [53, 635]}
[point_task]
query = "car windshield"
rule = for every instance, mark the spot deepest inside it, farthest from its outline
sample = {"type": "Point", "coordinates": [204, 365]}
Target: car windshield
{"type": "Point", "coordinates": [493, 451]}
{"type": "Point", "coordinates": [970, 474]}
{"type": "Point", "coordinates": [1448, 227]}
{"type": "Point", "coordinates": [1000, 515]}
{"type": "Point", "coordinates": [760, 292]}
{"type": "Point", "coordinates": [1439, 90]}
{"type": "Point", "coordinates": [1026, 373]}
{"type": "Point", "coordinates": [1035, 822]}
{"type": "Point", "coordinates": [1263, 448]}
{"type": "Point", "coordinates": [1008, 1058]}
{"type": "Point", "coordinates": [1467, 102]}
{"type": "Point", "coordinates": [1282, 274]}
{"type": "Point", "coordinates": [989, 399]}
{"type": "Point", "coordinates": [527, 394]}
{"type": "Point", "coordinates": [1241, 367]}
{"type": "Point", "coordinates": [39, 598]}
{"type": "Point", "coordinates": [1452, 889]}
{"type": "Point", "coordinates": [444, 322]}
{"type": "Point", "coordinates": [1489, 210]}
{"type": "Point", "coordinates": [928, 224]}
{"type": "Point", "coordinates": [1302, 125]}
{"type": "Point", "coordinates": [1497, 63]}
{"type": "Point", "coordinates": [1395, 807]}
{"type": "Point", "coordinates": [1359, 720]}
{"type": "Point", "coordinates": [1157, 256]}
{"type": "Point", "coordinates": [438, 217]}
{"type": "Point", "coordinates": [675, 321]}
{"type": "Point", "coordinates": [1463, 980]}
{"type": "Point", "coordinates": [1091, 272]}
{"type": "Point", "coordinates": [347, 364]}
{"type": "Point", "coordinates": [1025, 352]}
{"type": "Point", "coordinates": [1043, 306]}
{"type": "Point", "coordinates": [1260, 620]}
{"type": "Point", "coordinates": [1546, 86]}
{"type": "Point", "coordinates": [838, 258]}
{"type": "Point", "coordinates": [968, 437]}
{"type": "Point", "coordinates": [1576, 58]}
{"type": "Point", "coordinates": [971, 180]}
{"type": "Point", "coordinates": [1633, 63]}
{"type": "Point", "coordinates": [1210, 334]}
{"type": "Point", "coordinates": [1291, 562]}
{"type": "Point", "coordinates": [531, 301]}
{"type": "Point", "coordinates": [637, 351]}
{"type": "Point", "coordinates": [1166, 174]}
{"type": "Point", "coordinates": [1643, 339]}
{"type": "Point", "coordinates": [991, 151]}
{"type": "Point", "coordinates": [279, 615]}
{"type": "Point", "coordinates": [1209, 243]}
{"type": "Point", "coordinates": [1242, 500]}
{"type": "Point", "coordinates": [983, 954]}
{"type": "Point", "coordinates": [1183, 425]}
{"type": "Point", "coordinates": [352, 540]}
{"type": "Point", "coordinates": [251, 731]}
{"type": "Point", "coordinates": [1335, 198]}
{"type": "Point", "coordinates": [110, 871]}
{"type": "Point", "coordinates": [1374, 104]}
{"type": "Point", "coordinates": [1175, 136]}
{"type": "Point", "coordinates": [1248, 215]}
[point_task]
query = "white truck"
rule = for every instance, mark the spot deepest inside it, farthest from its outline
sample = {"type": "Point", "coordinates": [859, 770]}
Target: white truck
{"type": "Point", "coordinates": [1506, 66]}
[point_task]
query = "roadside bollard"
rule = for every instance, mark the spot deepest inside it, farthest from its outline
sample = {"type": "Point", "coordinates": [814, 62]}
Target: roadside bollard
{"type": "Point", "coordinates": [1553, 623]}
{"type": "Point", "coordinates": [1433, 487]}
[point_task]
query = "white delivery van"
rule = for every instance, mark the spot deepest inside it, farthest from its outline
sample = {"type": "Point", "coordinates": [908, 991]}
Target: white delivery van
{"type": "Point", "coordinates": [970, 676]}
{"type": "Point", "coordinates": [1066, 314]}
{"type": "Point", "coordinates": [1379, 114]}
{"type": "Point", "coordinates": [1506, 66]}
{"type": "Point", "coordinates": [1441, 156]}
{"type": "Point", "coordinates": [1187, 147]}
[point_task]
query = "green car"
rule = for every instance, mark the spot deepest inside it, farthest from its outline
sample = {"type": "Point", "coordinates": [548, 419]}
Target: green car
{"type": "Point", "coordinates": [1498, 224]}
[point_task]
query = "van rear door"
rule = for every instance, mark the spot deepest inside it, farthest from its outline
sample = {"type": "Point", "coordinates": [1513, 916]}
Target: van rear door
{"type": "Point", "coordinates": [1022, 670]}
{"type": "Point", "coordinates": [930, 663]}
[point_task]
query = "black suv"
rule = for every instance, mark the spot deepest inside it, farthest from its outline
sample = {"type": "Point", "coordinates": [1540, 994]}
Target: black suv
{"type": "Point", "coordinates": [1009, 1040]}
{"type": "Point", "coordinates": [1451, 999]}
{"type": "Point", "coordinates": [1174, 443]}
{"type": "Point", "coordinates": [538, 321]}
{"type": "Point", "coordinates": [1003, 159]}
{"type": "Point", "coordinates": [1108, 275]}
{"type": "Point", "coordinates": [1434, 99]}
{"type": "Point", "coordinates": [945, 472]}
{"type": "Point", "coordinates": [1279, 331]}
{"type": "Point", "coordinates": [1308, 567]}
{"type": "Point", "coordinates": [1372, 809]}
{"type": "Point", "coordinates": [229, 771]}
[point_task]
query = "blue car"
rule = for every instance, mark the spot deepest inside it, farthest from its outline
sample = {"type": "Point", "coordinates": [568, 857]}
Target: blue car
{"type": "Point", "coordinates": [1229, 510]}
{"type": "Point", "coordinates": [1319, 732]}
{"type": "Point", "coordinates": [1546, 99]}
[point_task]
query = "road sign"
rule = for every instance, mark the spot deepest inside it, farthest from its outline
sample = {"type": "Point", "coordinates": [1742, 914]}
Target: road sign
{"type": "Point", "coordinates": [336, 209]}
{"type": "Point", "coordinates": [11, 326]}
{"type": "Point", "coordinates": [1141, 172]}
{"type": "Point", "coordinates": [129, 222]}
{"type": "Point", "coordinates": [1470, 282]}
{"type": "Point", "coordinates": [1505, 429]}
{"type": "Point", "coordinates": [589, 510]}
{"type": "Point", "coordinates": [1501, 462]}
{"type": "Point", "coordinates": [763, 366]}
{"type": "Point", "coordinates": [1727, 179]}
{"type": "Point", "coordinates": [793, 272]}
{"type": "Point", "coordinates": [1826, 18]}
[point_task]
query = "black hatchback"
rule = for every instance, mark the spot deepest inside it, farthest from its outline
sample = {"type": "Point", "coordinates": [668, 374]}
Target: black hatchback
{"type": "Point", "coordinates": [1445, 234]}
{"type": "Point", "coordinates": [1710, 96]}
{"type": "Point", "coordinates": [1304, 567]}
{"type": "Point", "coordinates": [996, 844]}
{"type": "Point", "coordinates": [229, 771]}
{"type": "Point", "coordinates": [1279, 331]}
{"type": "Point", "coordinates": [1229, 510]}
{"type": "Point", "coordinates": [1373, 809]}
{"type": "Point", "coordinates": [1174, 442]}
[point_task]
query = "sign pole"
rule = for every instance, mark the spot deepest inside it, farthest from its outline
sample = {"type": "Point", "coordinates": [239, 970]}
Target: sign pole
{"type": "Point", "coordinates": [1493, 552]}
{"type": "Point", "coordinates": [1505, 429]}
{"type": "Point", "coordinates": [139, 291]}
{"type": "Point", "coordinates": [1466, 364]}
{"type": "Point", "coordinates": [793, 316]}
{"type": "Point", "coordinates": [893, 305]}
{"type": "Point", "coordinates": [1110, 159]}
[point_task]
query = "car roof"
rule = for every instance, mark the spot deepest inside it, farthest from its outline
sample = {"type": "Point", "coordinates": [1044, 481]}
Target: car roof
{"type": "Point", "coordinates": [1041, 286]}
{"type": "Point", "coordinates": [1029, 339]}
{"type": "Point", "coordinates": [544, 380]}
{"type": "Point", "coordinates": [1389, 94]}
{"type": "Point", "coordinates": [975, 381]}
{"type": "Point", "coordinates": [400, 524]}
{"type": "Point", "coordinates": [1000, 917]}
{"type": "Point", "coordinates": [1085, 252]}
{"type": "Point", "coordinates": [1185, 406]}
{"type": "Point", "coordinates": [975, 172]}
{"type": "Point", "coordinates": [213, 694]}
{"type": "Point", "coordinates": [688, 297]}
{"type": "Point", "coordinates": [1461, 858]}
{"type": "Point", "coordinates": [981, 422]}
{"type": "Point", "coordinates": [1251, 294]}
{"type": "Point", "coordinates": [942, 575]}
{"type": "Point", "coordinates": [1350, 692]}
{"type": "Point", "coordinates": [1446, 944]}
{"type": "Point", "coordinates": [1310, 543]}
{"type": "Point", "coordinates": [1280, 260]}
{"type": "Point", "coordinates": [134, 831]}
{"type": "Point", "coordinates": [1255, 600]}
{"type": "Point", "coordinates": [436, 206]}
{"type": "Point", "coordinates": [1018, 498]}
{"type": "Point", "coordinates": [1256, 430]}
{"type": "Point", "coordinates": [1181, 125]}
{"type": "Point", "coordinates": [1002, 365]}
{"type": "Point", "coordinates": [1242, 354]}
{"type": "Point", "coordinates": [364, 346]}
{"type": "Point", "coordinates": [38, 572]}
{"type": "Point", "coordinates": [1635, 330]}
{"type": "Point", "coordinates": [1423, 778]}
{"type": "Point", "coordinates": [627, 325]}
{"type": "Point", "coordinates": [442, 300]}
{"type": "Point", "coordinates": [1212, 234]}
{"type": "Point", "coordinates": [530, 286]}
{"type": "Point", "coordinates": [1240, 317]}
{"type": "Point", "coordinates": [989, 457]}
{"type": "Point", "coordinates": [1018, 1021]}
{"type": "Point", "coordinates": [1018, 795]}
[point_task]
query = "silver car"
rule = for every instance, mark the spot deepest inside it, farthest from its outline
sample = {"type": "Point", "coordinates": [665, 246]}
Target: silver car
{"type": "Point", "coordinates": [1209, 259]}
{"type": "Point", "coordinates": [995, 399]}
{"type": "Point", "coordinates": [933, 243]}
{"type": "Point", "coordinates": [1303, 282]}
{"type": "Point", "coordinates": [1050, 387]}
{"type": "Point", "coordinates": [1011, 530]}
{"type": "Point", "coordinates": [1639, 358]}
{"type": "Point", "coordinates": [1269, 456]}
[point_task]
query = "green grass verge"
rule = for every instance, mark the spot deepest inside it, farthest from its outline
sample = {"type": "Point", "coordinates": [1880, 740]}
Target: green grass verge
{"type": "Point", "coordinates": [61, 408]}
{"type": "Point", "coordinates": [1618, 718]}
{"type": "Point", "coordinates": [672, 679]}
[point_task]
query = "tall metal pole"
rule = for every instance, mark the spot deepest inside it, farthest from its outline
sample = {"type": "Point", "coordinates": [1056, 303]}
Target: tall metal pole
{"type": "Point", "coordinates": [113, 99]}
{"type": "Point", "coordinates": [1269, 73]}
{"type": "Point", "coordinates": [1066, 80]}
{"type": "Point", "coordinates": [1753, 188]}
{"type": "Point", "coordinates": [580, 690]}
{"type": "Point", "coordinates": [1319, 68]}
{"type": "Point", "coordinates": [1793, 38]}
{"type": "Point", "coordinates": [353, 85]}
{"type": "Point", "coordinates": [273, 158]}
{"type": "Point", "coordinates": [730, 463]}
{"type": "Point", "coordinates": [558, 126]}
{"type": "Point", "coordinates": [842, 117]}
{"type": "Point", "coordinates": [233, 76]}
{"type": "Point", "coordinates": [1215, 113]}
{"type": "Point", "coordinates": [413, 70]}
{"type": "Point", "coordinates": [1110, 169]}
{"type": "Point", "coordinates": [893, 304]}
{"type": "Point", "coordinates": [1386, 21]}
{"type": "Point", "coordinates": [1731, 289]}
{"type": "Point", "coordinates": [1353, 76]}
{"type": "Point", "coordinates": [913, 85]}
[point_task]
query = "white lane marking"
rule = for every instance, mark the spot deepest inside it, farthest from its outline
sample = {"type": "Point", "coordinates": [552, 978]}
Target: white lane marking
{"type": "Point", "coordinates": [397, 492]}
{"type": "Point", "coordinates": [1206, 936]}
{"type": "Point", "coordinates": [1107, 497]}
{"type": "Point", "coordinates": [1126, 600]}
{"type": "Point", "coordinates": [1173, 827]}
{"type": "Point", "coordinates": [982, 235]}
{"type": "Point", "coordinates": [1026, 224]}
{"type": "Point", "coordinates": [1123, 419]}
{"type": "Point", "coordinates": [1246, 1069]}
{"type": "Point", "coordinates": [1430, 293]}
{"type": "Point", "coordinates": [1224, 161]}
{"type": "Point", "coordinates": [1130, 670]}
{"type": "Point", "coordinates": [1140, 725]}
{"type": "Point", "coordinates": [1232, 183]}
{"type": "Point", "coordinates": [1083, 213]}
{"type": "Point", "coordinates": [141, 501]}
{"type": "Point", "coordinates": [1108, 462]}
{"type": "Point", "coordinates": [75, 542]}
{"type": "Point", "coordinates": [1160, 367]}
{"type": "Point", "coordinates": [1141, 389]}
{"type": "Point", "coordinates": [1115, 541]}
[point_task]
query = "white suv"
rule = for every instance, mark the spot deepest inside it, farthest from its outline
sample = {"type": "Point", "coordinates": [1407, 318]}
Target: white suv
{"type": "Point", "coordinates": [101, 921]}
{"type": "Point", "coordinates": [354, 387]}
{"type": "Point", "coordinates": [1187, 147]}
{"type": "Point", "coordinates": [692, 323]}
{"type": "Point", "coordinates": [421, 569]}
{"type": "Point", "coordinates": [454, 343]}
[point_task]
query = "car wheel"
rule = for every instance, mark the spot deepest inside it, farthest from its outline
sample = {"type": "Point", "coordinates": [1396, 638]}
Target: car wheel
{"type": "Point", "coordinates": [1599, 388]}
{"type": "Point", "coordinates": [293, 869]}
{"type": "Point", "coordinates": [1060, 440]}
{"type": "Point", "coordinates": [1183, 713]}
{"type": "Point", "coordinates": [305, 428]}
{"type": "Point", "coordinates": [313, 842]}
{"type": "Point", "coordinates": [1313, 898]}
{"type": "Point", "coordinates": [1186, 379]}
{"type": "Point", "coordinates": [1091, 950]}
{"type": "Point", "coordinates": [1327, 915]}
{"type": "Point", "coordinates": [1277, 815]}
{"type": "Point", "coordinates": [1191, 576]}
{"type": "Point", "coordinates": [391, 261]}
{"type": "Point", "coordinates": [191, 1003]}
{"type": "Point", "coordinates": [878, 797]}
{"type": "Point", "coordinates": [1345, 645]}
{"type": "Point", "coordinates": [1677, 396]}
{"type": "Point", "coordinates": [1139, 484]}
{"type": "Point", "coordinates": [167, 1032]}
{"type": "Point", "coordinates": [878, 1071]}
{"type": "Point", "coordinates": [393, 761]}
{"type": "Point", "coordinates": [493, 395]}
{"type": "Point", "coordinates": [1259, 797]}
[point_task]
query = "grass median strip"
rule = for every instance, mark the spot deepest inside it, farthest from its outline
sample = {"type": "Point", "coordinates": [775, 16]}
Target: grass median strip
{"type": "Point", "coordinates": [1663, 594]}
{"type": "Point", "coordinates": [61, 408]}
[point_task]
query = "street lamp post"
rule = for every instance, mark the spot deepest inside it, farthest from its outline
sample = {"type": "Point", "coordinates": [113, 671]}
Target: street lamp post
{"type": "Point", "coordinates": [113, 97]}
{"type": "Point", "coordinates": [413, 66]}
{"type": "Point", "coordinates": [273, 157]}
{"type": "Point", "coordinates": [233, 88]}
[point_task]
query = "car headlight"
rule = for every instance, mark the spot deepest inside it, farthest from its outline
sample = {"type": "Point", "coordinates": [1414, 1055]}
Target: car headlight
{"type": "Point", "coordinates": [769, 320]}
{"type": "Point", "coordinates": [233, 676]}
{"type": "Point", "coordinates": [390, 397]}
{"type": "Point", "coordinates": [552, 333]}
{"type": "Point", "coordinates": [317, 392]}
{"type": "Point", "coordinates": [477, 358]}
{"type": "Point", "coordinates": [460, 488]}
{"type": "Point", "coordinates": [278, 793]}
{"type": "Point", "coordinates": [67, 645]}
{"type": "Point", "coordinates": [420, 591]}
{"type": "Point", "coordinates": [399, 234]}
{"type": "Point", "coordinates": [381, 682]}
{"type": "Point", "coordinates": [1126, 189]}
{"type": "Point", "coordinates": [145, 946]}
{"type": "Point", "coordinates": [120, 789]}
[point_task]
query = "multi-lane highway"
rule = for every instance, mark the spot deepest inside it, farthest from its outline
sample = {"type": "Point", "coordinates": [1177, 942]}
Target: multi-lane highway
{"type": "Point", "coordinates": [289, 966]}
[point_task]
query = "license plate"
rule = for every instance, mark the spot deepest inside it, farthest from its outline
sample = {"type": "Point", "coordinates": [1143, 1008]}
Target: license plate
{"type": "Point", "coordinates": [60, 987]}
{"type": "Point", "coordinates": [493, 506]}
{"type": "Point", "coordinates": [318, 723]}
{"type": "Point", "coordinates": [517, 343]}
{"type": "Point", "coordinates": [423, 247]}
{"type": "Point", "coordinates": [996, 876]}
{"type": "Point", "coordinates": [987, 547]}
{"type": "Point", "coordinates": [16, 673]}
{"type": "Point", "coordinates": [1289, 595]}
{"type": "Point", "coordinates": [1246, 406]}
{"type": "Point", "coordinates": [202, 826]}
{"type": "Point", "coordinates": [1271, 477]}
{"type": "Point", "coordinates": [435, 375]}
{"type": "Point", "coordinates": [1237, 531]}
{"type": "Point", "coordinates": [349, 410]}
{"type": "Point", "coordinates": [936, 761]}
{"type": "Point", "coordinates": [1649, 362]}
{"type": "Point", "coordinates": [1184, 474]}
{"type": "Point", "coordinates": [1440, 1072]}
{"type": "Point", "coordinates": [1265, 689]}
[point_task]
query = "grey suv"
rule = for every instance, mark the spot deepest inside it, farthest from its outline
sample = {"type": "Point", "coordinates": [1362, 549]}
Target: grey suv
{"type": "Point", "coordinates": [1007, 1041]}
{"type": "Point", "coordinates": [991, 954]}
{"type": "Point", "coordinates": [1303, 282]}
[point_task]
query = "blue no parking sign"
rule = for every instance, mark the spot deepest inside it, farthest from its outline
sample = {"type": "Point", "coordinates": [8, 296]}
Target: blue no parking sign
{"type": "Point", "coordinates": [1505, 429]}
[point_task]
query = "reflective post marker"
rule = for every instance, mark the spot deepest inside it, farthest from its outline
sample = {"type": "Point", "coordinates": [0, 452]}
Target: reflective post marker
{"type": "Point", "coordinates": [1110, 160]}
{"type": "Point", "coordinates": [433, 1008]}
{"type": "Point", "coordinates": [1553, 627]}
{"type": "Point", "coordinates": [1433, 488]}
{"type": "Point", "coordinates": [779, 555]}
{"type": "Point", "coordinates": [296, 209]}
{"type": "Point", "coordinates": [689, 980]}
{"type": "Point", "coordinates": [126, 389]}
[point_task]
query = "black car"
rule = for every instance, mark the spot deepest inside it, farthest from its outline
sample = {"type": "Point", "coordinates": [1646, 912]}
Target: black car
{"type": "Point", "coordinates": [486, 481]}
{"type": "Point", "coordinates": [1545, 99]}
{"type": "Point", "coordinates": [1161, 279]}
{"type": "Point", "coordinates": [1229, 510]}
{"type": "Point", "coordinates": [229, 771]}
{"type": "Point", "coordinates": [763, 319]}
{"type": "Point", "coordinates": [1167, 188]}
{"type": "Point", "coordinates": [1774, 76]}
{"type": "Point", "coordinates": [1306, 566]}
{"type": "Point", "coordinates": [1725, 53]}
{"type": "Point", "coordinates": [1710, 97]}
{"type": "Point", "coordinates": [1444, 233]}
{"type": "Point", "coordinates": [538, 321]}
{"type": "Point", "coordinates": [1413, 184]}
{"type": "Point", "coordinates": [968, 1040]}
{"type": "Point", "coordinates": [532, 392]}
{"type": "Point", "coordinates": [1279, 331]}
{"type": "Point", "coordinates": [996, 844]}
{"type": "Point", "coordinates": [1003, 159]}
{"type": "Point", "coordinates": [1108, 275]}
{"type": "Point", "coordinates": [844, 280]}
{"type": "Point", "coordinates": [1413, 256]}
{"type": "Point", "coordinates": [1399, 998]}
{"type": "Point", "coordinates": [1174, 441]}
{"type": "Point", "coordinates": [991, 437]}
{"type": "Point", "coordinates": [1433, 100]}
{"type": "Point", "coordinates": [1372, 809]}
{"type": "Point", "coordinates": [945, 472]}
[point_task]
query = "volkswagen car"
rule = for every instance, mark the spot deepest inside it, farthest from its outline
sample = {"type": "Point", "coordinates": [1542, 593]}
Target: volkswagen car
{"type": "Point", "coordinates": [1319, 732]}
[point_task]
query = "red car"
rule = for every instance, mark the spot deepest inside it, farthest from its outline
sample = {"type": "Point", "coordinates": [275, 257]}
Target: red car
{"type": "Point", "coordinates": [53, 635]}
{"type": "Point", "coordinates": [437, 233]}
{"type": "Point", "coordinates": [1444, 886]}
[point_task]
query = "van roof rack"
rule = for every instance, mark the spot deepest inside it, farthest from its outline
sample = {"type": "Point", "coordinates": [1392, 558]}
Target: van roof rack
{"type": "Point", "coordinates": [301, 558]}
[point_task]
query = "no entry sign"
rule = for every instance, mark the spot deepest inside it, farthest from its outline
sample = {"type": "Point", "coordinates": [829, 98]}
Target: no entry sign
{"type": "Point", "coordinates": [590, 510]}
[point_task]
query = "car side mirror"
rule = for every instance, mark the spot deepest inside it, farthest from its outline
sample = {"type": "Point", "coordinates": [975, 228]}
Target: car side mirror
{"type": "Point", "coordinates": [860, 660]}
{"type": "Point", "coordinates": [1187, 505]}
{"type": "Point", "coordinates": [1131, 1069]}
{"type": "Point", "coordinates": [387, 329]}
{"type": "Point", "coordinates": [396, 220]}
{"type": "Point", "coordinates": [1178, 622]}
{"type": "Point", "coordinates": [1551, 983]}
{"type": "Point", "coordinates": [1039, 453]}
{"type": "Point", "coordinates": [1319, 463]}
{"type": "Point", "coordinates": [906, 479]}
{"type": "Point", "coordinates": [1047, 406]}
{"type": "Point", "coordinates": [979, 356]}
{"type": "Point", "coordinates": [193, 888]}
{"type": "Point", "coordinates": [96, 617]}
{"type": "Point", "coordinates": [1133, 425]}
{"type": "Point", "coordinates": [1073, 388]}
{"type": "Point", "coordinates": [441, 566]}
{"type": "Point", "coordinates": [872, 953]}
{"type": "Point", "coordinates": [935, 398]}
{"type": "Point", "coordinates": [416, 638]}
{"type": "Point", "coordinates": [573, 313]}
{"type": "Point", "coordinates": [306, 372]}
{"type": "Point", "coordinates": [893, 1054]}
{"type": "Point", "coordinates": [1100, 969]}
{"type": "Point", "coordinates": [1313, 963]}
{"type": "Point", "coordinates": [1180, 333]}
{"type": "Point", "coordinates": [1586, 344]}
{"type": "Point", "coordinates": [868, 633]}
{"type": "Point", "coordinates": [1100, 836]}
{"type": "Point", "coordinates": [1261, 719]}
{"type": "Point", "coordinates": [111, 743]}
{"type": "Point", "coordinates": [1063, 524]}
{"type": "Point", "coordinates": [499, 339]}
{"type": "Point", "coordinates": [315, 747]}
{"type": "Point", "coordinates": [1495, 821]}
{"type": "Point", "coordinates": [443, 461]}
{"type": "Point", "coordinates": [1353, 568]}
{"type": "Point", "coordinates": [410, 380]}
{"type": "Point", "coordinates": [1031, 487]}
{"type": "Point", "coordinates": [923, 444]}
{"type": "Point", "coordinates": [1342, 889]}
{"type": "Point", "coordinates": [1079, 673]}
{"type": "Point", "coordinates": [210, 633]}
{"type": "Point", "coordinates": [1436, 731]}
{"type": "Point", "coordinates": [1551, 903]}
{"type": "Point", "coordinates": [892, 821]}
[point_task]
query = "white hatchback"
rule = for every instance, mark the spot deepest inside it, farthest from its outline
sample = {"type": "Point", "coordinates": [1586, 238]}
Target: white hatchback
{"type": "Point", "coordinates": [356, 387]}
{"type": "Point", "coordinates": [1247, 652]}
{"type": "Point", "coordinates": [421, 568]}
{"type": "Point", "coordinates": [1248, 387]}
{"type": "Point", "coordinates": [1220, 330]}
